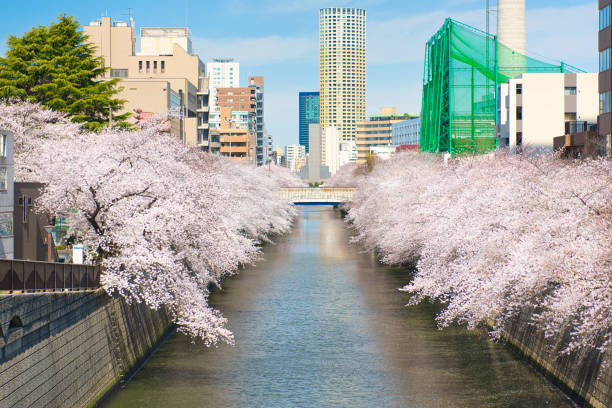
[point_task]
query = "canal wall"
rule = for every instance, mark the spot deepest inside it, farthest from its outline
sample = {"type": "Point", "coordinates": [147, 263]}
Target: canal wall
{"type": "Point", "coordinates": [581, 375]}
{"type": "Point", "coordinates": [71, 349]}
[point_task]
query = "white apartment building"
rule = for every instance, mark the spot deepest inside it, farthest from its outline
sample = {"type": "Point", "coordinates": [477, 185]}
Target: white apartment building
{"type": "Point", "coordinates": [347, 154]}
{"type": "Point", "coordinates": [221, 73]}
{"type": "Point", "coordinates": [342, 64]}
{"type": "Point", "coordinates": [295, 156]}
{"type": "Point", "coordinates": [535, 108]}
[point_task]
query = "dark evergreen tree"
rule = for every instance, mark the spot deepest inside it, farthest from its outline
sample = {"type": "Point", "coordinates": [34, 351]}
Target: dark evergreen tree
{"type": "Point", "coordinates": [55, 66]}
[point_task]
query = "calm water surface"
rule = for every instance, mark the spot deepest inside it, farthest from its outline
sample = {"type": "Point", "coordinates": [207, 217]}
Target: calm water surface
{"type": "Point", "coordinates": [320, 324]}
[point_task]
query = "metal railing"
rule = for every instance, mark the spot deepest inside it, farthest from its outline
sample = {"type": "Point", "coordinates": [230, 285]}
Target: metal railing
{"type": "Point", "coordinates": [317, 195]}
{"type": "Point", "coordinates": [573, 127]}
{"type": "Point", "coordinates": [32, 276]}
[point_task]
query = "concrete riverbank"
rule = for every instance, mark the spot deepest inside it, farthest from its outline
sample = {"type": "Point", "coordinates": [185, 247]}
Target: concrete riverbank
{"type": "Point", "coordinates": [580, 375]}
{"type": "Point", "coordinates": [71, 349]}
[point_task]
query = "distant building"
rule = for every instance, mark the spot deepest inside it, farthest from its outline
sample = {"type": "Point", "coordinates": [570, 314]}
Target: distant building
{"type": "Point", "coordinates": [163, 78]}
{"type": "Point", "coordinates": [347, 153]}
{"type": "Point", "coordinates": [535, 108]}
{"type": "Point", "coordinates": [314, 170]}
{"type": "Point", "coordinates": [342, 64]}
{"type": "Point", "coordinates": [278, 156]}
{"type": "Point", "coordinates": [295, 157]}
{"type": "Point", "coordinates": [7, 242]}
{"type": "Point", "coordinates": [374, 136]}
{"type": "Point", "coordinates": [221, 73]}
{"type": "Point", "coordinates": [604, 121]}
{"type": "Point", "coordinates": [405, 135]}
{"type": "Point", "coordinates": [332, 150]}
{"type": "Point", "coordinates": [309, 105]}
{"type": "Point", "coordinates": [236, 139]}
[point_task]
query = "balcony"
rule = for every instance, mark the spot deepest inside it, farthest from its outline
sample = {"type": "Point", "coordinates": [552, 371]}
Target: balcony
{"type": "Point", "coordinates": [573, 127]}
{"type": "Point", "coordinates": [202, 126]}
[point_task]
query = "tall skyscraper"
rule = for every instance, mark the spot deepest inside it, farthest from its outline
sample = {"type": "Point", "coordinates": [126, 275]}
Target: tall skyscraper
{"type": "Point", "coordinates": [309, 113]}
{"type": "Point", "coordinates": [342, 61]}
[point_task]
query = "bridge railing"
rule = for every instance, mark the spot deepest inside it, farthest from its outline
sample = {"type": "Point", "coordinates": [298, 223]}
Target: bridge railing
{"type": "Point", "coordinates": [331, 194]}
{"type": "Point", "coordinates": [27, 276]}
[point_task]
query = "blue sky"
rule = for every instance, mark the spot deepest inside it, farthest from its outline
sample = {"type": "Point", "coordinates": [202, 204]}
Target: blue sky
{"type": "Point", "coordinates": [279, 39]}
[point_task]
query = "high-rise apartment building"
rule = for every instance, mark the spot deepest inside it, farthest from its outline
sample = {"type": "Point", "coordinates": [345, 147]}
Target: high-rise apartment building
{"type": "Point", "coordinates": [342, 64]}
{"type": "Point", "coordinates": [604, 121]}
{"type": "Point", "coordinates": [309, 113]}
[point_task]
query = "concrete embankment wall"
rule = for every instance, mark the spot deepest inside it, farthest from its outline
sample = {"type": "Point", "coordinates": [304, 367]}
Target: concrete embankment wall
{"type": "Point", "coordinates": [582, 376]}
{"type": "Point", "coordinates": [69, 349]}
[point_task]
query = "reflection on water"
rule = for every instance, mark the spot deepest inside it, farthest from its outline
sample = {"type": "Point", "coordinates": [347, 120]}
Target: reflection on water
{"type": "Point", "coordinates": [320, 324]}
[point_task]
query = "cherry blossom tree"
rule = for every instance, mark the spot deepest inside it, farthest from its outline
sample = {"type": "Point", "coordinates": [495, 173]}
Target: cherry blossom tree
{"type": "Point", "coordinates": [167, 222]}
{"type": "Point", "coordinates": [349, 175]}
{"type": "Point", "coordinates": [494, 237]}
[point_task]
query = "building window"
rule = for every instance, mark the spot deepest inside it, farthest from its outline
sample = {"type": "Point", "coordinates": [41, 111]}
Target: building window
{"type": "Point", "coordinates": [519, 89]}
{"type": "Point", "coordinates": [163, 66]}
{"type": "Point", "coordinates": [6, 224]}
{"type": "Point", "coordinates": [604, 60]}
{"type": "Point", "coordinates": [604, 17]}
{"type": "Point", "coordinates": [139, 66]}
{"type": "Point", "coordinates": [154, 66]}
{"type": "Point", "coordinates": [570, 90]}
{"type": "Point", "coordinates": [604, 102]}
{"type": "Point", "coordinates": [519, 138]}
{"type": "Point", "coordinates": [119, 73]}
{"type": "Point", "coordinates": [519, 113]}
{"type": "Point", "coordinates": [3, 151]}
{"type": "Point", "coordinates": [148, 66]}
{"type": "Point", "coordinates": [570, 116]}
{"type": "Point", "coordinates": [3, 178]}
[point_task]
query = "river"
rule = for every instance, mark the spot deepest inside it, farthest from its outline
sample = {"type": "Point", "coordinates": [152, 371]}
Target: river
{"type": "Point", "coordinates": [318, 323]}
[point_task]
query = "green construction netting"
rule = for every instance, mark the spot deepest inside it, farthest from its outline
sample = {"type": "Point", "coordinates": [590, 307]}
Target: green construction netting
{"type": "Point", "coordinates": [463, 67]}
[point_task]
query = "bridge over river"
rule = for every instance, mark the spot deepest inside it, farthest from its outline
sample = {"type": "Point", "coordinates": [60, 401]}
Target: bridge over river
{"type": "Point", "coordinates": [318, 196]}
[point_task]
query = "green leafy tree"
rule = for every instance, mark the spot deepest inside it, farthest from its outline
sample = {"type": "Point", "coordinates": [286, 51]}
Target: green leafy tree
{"type": "Point", "coordinates": [55, 66]}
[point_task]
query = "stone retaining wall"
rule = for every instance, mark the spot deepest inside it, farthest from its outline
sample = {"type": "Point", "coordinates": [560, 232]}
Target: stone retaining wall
{"type": "Point", "coordinates": [582, 376]}
{"type": "Point", "coordinates": [69, 349]}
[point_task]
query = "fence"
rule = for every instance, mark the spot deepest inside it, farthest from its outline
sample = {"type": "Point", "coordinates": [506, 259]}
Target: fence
{"type": "Point", "coordinates": [331, 195]}
{"type": "Point", "coordinates": [19, 275]}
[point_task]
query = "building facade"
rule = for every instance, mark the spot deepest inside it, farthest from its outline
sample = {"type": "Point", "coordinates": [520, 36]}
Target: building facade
{"type": "Point", "coordinates": [309, 112]}
{"type": "Point", "coordinates": [405, 135]}
{"type": "Point", "coordinates": [604, 121]}
{"type": "Point", "coordinates": [249, 99]}
{"type": "Point", "coordinates": [7, 194]}
{"type": "Point", "coordinates": [161, 40]}
{"type": "Point", "coordinates": [374, 136]}
{"type": "Point", "coordinates": [536, 108]}
{"type": "Point", "coordinates": [342, 64]}
{"type": "Point", "coordinates": [156, 80]}
{"type": "Point", "coordinates": [332, 150]}
{"type": "Point", "coordinates": [221, 73]}
{"type": "Point", "coordinates": [295, 157]}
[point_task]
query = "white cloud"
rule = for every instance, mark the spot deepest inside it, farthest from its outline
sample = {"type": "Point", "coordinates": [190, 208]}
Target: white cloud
{"type": "Point", "coordinates": [256, 51]}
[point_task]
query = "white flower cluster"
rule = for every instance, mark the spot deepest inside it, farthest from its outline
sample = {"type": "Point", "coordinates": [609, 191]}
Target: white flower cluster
{"type": "Point", "coordinates": [492, 237]}
{"type": "Point", "coordinates": [166, 221]}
